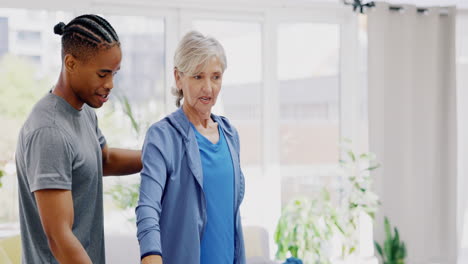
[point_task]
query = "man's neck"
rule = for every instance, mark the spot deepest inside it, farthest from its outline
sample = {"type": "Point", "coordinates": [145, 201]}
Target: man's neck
{"type": "Point", "coordinates": [64, 90]}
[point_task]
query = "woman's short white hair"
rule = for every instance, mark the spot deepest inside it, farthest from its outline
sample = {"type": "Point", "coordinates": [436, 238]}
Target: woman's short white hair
{"type": "Point", "coordinates": [192, 54]}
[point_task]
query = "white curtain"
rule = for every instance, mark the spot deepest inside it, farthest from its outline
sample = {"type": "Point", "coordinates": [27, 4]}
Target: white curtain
{"type": "Point", "coordinates": [412, 127]}
{"type": "Point", "coordinates": [462, 105]}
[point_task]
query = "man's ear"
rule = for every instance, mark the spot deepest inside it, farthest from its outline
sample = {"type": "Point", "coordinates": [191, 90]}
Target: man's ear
{"type": "Point", "coordinates": [70, 63]}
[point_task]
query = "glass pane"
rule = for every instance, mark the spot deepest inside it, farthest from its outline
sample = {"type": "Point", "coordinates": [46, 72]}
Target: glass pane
{"type": "Point", "coordinates": [30, 61]}
{"type": "Point", "coordinates": [141, 80]}
{"type": "Point", "coordinates": [308, 70]}
{"type": "Point", "coordinates": [242, 82]}
{"type": "Point", "coordinates": [136, 102]}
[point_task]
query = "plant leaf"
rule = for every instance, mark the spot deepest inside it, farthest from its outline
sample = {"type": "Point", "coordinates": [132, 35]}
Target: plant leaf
{"type": "Point", "coordinates": [379, 250]}
{"type": "Point", "coordinates": [373, 167]}
{"type": "Point", "coordinates": [388, 233]}
{"type": "Point", "coordinates": [396, 243]}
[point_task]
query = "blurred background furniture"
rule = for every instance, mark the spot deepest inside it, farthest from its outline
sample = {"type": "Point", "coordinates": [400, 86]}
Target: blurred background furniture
{"type": "Point", "coordinates": [10, 250]}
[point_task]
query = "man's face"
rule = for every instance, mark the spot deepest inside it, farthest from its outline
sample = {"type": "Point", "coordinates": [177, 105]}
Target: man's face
{"type": "Point", "coordinates": [93, 79]}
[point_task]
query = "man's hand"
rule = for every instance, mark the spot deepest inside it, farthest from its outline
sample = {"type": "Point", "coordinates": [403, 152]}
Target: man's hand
{"type": "Point", "coordinates": [152, 259]}
{"type": "Point", "coordinates": [120, 161]}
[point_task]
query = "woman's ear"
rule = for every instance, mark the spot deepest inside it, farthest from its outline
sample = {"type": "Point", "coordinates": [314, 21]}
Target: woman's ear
{"type": "Point", "coordinates": [178, 77]}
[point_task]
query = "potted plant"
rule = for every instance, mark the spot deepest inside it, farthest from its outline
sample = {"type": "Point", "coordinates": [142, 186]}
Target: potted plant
{"type": "Point", "coordinates": [309, 228]}
{"type": "Point", "coordinates": [393, 250]}
{"type": "Point", "coordinates": [357, 197]}
{"type": "Point", "coordinates": [304, 229]}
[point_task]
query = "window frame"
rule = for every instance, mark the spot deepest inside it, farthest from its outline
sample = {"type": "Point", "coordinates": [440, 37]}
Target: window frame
{"type": "Point", "coordinates": [178, 17]}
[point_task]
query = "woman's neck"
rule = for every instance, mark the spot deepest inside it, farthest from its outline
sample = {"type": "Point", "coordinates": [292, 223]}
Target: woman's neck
{"type": "Point", "coordinates": [197, 118]}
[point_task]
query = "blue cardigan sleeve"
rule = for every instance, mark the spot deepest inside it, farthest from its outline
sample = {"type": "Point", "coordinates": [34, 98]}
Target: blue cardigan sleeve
{"type": "Point", "coordinates": [153, 180]}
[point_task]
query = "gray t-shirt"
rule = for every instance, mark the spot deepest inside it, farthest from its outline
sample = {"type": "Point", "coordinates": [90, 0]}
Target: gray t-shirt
{"type": "Point", "coordinates": [59, 147]}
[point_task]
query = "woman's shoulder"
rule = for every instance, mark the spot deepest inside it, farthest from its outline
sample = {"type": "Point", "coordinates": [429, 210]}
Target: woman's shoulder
{"type": "Point", "coordinates": [226, 124]}
{"type": "Point", "coordinates": [162, 131]}
{"type": "Point", "coordinates": [161, 125]}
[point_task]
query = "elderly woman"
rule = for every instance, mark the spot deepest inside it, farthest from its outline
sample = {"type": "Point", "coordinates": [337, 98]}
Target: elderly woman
{"type": "Point", "coordinates": [191, 182]}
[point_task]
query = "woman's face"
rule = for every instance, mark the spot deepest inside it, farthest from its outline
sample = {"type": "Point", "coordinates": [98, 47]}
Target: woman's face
{"type": "Point", "coordinates": [201, 90]}
{"type": "Point", "coordinates": [92, 80]}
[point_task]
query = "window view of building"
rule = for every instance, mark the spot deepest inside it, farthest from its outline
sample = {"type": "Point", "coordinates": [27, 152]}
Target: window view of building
{"type": "Point", "coordinates": [309, 74]}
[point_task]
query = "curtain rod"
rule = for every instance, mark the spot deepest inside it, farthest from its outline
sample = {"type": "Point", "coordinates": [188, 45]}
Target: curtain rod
{"type": "Point", "coordinates": [420, 10]}
{"type": "Point", "coordinates": [359, 5]}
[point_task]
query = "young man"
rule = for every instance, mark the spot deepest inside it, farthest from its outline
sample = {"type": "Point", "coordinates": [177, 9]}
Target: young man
{"type": "Point", "coordinates": [62, 154]}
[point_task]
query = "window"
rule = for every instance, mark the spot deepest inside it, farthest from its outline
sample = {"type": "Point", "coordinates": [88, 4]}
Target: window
{"type": "Point", "coordinates": [27, 72]}
{"type": "Point", "coordinates": [308, 73]}
{"type": "Point", "coordinates": [283, 91]}
{"type": "Point", "coordinates": [4, 35]}
{"type": "Point", "coordinates": [242, 83]}
{"type": "Point", "coordinates": [141, 83]}
{"type": "Point", "coordinates": [25, 36]}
